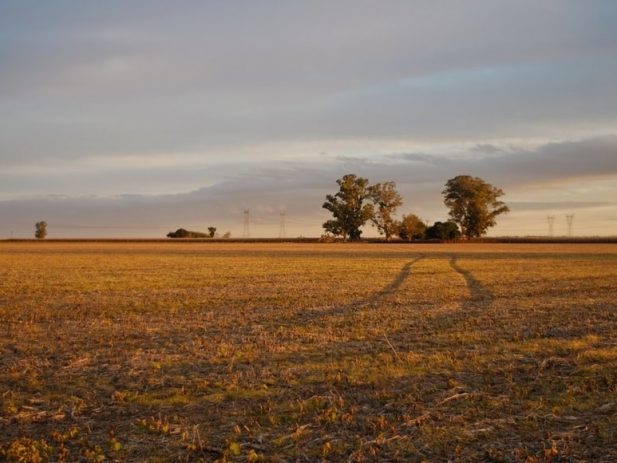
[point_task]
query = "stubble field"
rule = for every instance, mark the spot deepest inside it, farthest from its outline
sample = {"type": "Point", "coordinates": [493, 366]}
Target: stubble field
{"type": "Point", "coordinates": [306, 352]}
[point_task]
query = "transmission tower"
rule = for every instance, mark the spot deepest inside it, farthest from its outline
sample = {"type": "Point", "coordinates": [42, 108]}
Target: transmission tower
{"type": "Point", "coordinates": [551, 221]}
{"type": "Point", "coordinates": [569, 220]}
{"type": "Point", "coordinates": [246, 232]}
{"type": "Point", "coordinates": [282, 225]}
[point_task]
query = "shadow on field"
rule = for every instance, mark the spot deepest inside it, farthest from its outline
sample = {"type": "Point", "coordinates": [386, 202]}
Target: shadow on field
{"type": "Point", "coordinates": [481, 297]}
{"type": "Point", "coordinates": [324, 311]}
{"type": "Point", "coordinates": [393, 286]}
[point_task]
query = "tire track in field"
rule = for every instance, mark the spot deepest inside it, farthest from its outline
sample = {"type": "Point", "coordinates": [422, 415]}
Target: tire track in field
{"type": "Point", "coordinates": [371, 300]}
{"type": "Point", "coordinates": [389, 289]}
{"type": "Point", "coordinates": [481, 297]}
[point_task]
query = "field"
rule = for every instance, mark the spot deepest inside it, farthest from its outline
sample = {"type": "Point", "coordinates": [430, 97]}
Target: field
{"type": "Point", "coordinates": [307, 352]}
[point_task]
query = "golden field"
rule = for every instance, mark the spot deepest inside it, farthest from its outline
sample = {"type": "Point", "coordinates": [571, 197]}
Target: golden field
{"type": "Point", "coordinates": [308, 352]}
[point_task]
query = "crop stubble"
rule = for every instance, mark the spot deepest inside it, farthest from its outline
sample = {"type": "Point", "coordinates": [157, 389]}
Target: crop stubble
{"type": "Point", "coordinates": [305, 352]}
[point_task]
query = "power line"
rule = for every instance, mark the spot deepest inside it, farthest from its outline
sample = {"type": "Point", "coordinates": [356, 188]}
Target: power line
{"type": "Point", "coordinates": [551, 222]}
{"type": "Point", "coordinates": [569, 220]}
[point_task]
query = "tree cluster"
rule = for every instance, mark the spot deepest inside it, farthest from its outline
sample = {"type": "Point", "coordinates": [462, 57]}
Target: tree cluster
{"type": "Point", "coordinates": [183, 233]}
{"type": "Point", "coordinates": [473, 207]}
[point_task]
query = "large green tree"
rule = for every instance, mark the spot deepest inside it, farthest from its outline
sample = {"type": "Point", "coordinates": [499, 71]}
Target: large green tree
{"type": "Point", "coordinates": [474, 204]}
{"type": "Point", "coordinates": [386, 200]}
{"type": "Point", "coordinates": [349, 207]}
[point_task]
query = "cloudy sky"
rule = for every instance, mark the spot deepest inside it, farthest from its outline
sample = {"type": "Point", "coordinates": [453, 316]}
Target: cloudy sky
{"type": "Point", "coordinates": [133, 118]}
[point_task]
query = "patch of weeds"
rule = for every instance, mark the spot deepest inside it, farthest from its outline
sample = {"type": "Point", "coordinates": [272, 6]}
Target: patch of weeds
{"type": "Point", "coordinates": [27, 450]}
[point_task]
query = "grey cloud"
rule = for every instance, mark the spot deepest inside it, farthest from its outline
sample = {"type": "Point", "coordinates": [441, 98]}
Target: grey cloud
{"type": "Point", "coordinates": [551, 162]}
{"type": "Point", "coordinates": [486, 148]}
{"type": "Point", "coordinates": [139, 77]}
{"type": "Point", "coordinates": [555, 162]}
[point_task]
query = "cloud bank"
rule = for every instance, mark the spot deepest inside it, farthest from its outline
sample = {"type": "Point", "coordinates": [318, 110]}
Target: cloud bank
{"type": "Point", "coordinates": [581, 171]}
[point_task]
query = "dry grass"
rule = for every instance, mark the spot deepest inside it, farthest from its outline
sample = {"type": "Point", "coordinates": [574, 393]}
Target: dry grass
{"type": "Point", "coordinates": [305, 352]}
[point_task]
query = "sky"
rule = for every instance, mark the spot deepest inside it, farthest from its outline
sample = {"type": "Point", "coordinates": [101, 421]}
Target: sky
{"type": "Point", "coordinates": [135, 118]}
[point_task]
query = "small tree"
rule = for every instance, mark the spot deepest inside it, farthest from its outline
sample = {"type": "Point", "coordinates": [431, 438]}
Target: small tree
{"type": "Point", "coordinates": [386, 199]}
{"type": "Point", "coordinates": [212, 231]}
{"type": "Point", "coordinates": [227, 235]}
{"type": "Point", "coordinates": [348, 207]}
{"type": "Point", "coordinates": [474, 204]}
{"type": "Point", "coordinates": [411, 228]}
{"type": "Point", "coordinates": [445, 231]}
{"type": "Point", "coordinates": [40, 230]}
{"type": "Point", "coordinates": [179, 233]}
{"type": "Point", "coordinates": [333, 227]}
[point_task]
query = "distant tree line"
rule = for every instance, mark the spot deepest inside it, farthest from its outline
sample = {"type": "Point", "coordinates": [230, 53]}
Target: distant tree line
{"type": "Point", "coordinates": [473, 208]}
{"type": "Point", "coordinates": [473, 204]}
{"type": "Point", "coordinates": [183, 233]}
